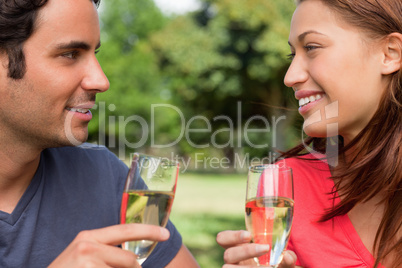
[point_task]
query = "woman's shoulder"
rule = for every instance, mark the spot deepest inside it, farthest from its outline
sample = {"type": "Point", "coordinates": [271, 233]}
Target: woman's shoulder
{"type": "Point", "coordinates": [305, 162]}
{"type": "Point", "coordinates": [307, 169]}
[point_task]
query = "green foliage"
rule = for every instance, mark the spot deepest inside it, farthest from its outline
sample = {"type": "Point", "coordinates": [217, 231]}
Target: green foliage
{"type": "Point", "coordinates": [208, 63]}
{"type": "Point", "coordinates": [227, 52]}
{"type": "Point", "coordinates": [132, 68]}
{"type": "Point", "coordinates": [204, 206]}
{"type": "Point", "coordinates": [224, 45]}
{"type": "Point", "coordinates": [126, 21]}
{"type": "Point", "coordinates": [199, 234]}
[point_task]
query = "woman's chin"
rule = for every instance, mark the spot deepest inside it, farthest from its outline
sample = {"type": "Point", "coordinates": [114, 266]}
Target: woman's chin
{"type": "Point", "coordinates": [315, 131]}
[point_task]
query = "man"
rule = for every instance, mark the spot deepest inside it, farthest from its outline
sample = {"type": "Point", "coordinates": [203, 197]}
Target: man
{"type": "Point", "coordinates": [59, 204]}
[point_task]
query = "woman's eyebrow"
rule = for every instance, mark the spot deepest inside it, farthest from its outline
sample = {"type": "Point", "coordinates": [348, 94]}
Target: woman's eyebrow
{"type": "Point", "coordinates": [303, 35]}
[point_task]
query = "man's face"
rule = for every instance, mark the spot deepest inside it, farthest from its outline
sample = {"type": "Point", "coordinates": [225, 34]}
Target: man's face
{"type": "Point", "coordinates": [50, 105]}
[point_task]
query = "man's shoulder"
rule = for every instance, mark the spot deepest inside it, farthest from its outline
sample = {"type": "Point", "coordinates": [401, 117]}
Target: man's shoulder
{"type": "Point", "coordinates": [84, 155]}
{"type": "Point", "coordinates": [83, 150]}
{"type": "Point", "coordinates": [86, 160]}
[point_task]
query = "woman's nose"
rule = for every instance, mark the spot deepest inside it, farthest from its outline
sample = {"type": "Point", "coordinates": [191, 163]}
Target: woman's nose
{"type": "Point", "coordinates": [296, 74]}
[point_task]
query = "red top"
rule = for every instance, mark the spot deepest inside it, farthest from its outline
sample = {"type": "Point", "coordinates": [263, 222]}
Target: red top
{"type": "Point", "coordinates": [334, 243]}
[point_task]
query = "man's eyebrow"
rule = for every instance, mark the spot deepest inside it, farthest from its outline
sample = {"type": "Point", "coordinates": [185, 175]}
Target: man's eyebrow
{"type": "Point", "coordinates": [76, 45]}
{"type": "Point", "coordinates": [303, 35]}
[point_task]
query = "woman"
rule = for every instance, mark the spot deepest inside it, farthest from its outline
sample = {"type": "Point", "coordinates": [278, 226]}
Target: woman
{"type": "Point", "coordinates": [346, 73]}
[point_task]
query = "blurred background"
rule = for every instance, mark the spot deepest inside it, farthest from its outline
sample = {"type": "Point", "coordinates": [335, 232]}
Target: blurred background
{"type": "Point", "coordinates": [200, 81]}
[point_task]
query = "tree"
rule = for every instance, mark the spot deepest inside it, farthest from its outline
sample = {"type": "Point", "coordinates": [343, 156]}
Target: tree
{"type": "Point", "coordinates": [226, 53]}
{"type": "Point", "coordinates": [219, 70]}
{"type": "Point", "coordinates": [132, 68]}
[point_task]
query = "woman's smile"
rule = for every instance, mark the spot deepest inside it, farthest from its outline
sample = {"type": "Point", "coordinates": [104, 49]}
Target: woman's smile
{"type": "Point", "coordinates": [325, 70]}
{"type": "Point", "coordinates": [308, 99]}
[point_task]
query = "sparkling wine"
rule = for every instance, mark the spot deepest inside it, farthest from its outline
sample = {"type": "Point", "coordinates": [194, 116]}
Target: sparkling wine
{"type": "Point", "coordinates": [149, 207]}
{"type": "Point", "coordinates": [269, 219]}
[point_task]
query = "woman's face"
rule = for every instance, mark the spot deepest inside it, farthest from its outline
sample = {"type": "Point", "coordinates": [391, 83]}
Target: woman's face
{"type": "Point", "coordinates": [335, 72]}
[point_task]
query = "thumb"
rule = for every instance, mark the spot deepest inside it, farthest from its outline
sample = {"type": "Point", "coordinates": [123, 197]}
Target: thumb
{"type": "Point", "coordinates": [289, 260]}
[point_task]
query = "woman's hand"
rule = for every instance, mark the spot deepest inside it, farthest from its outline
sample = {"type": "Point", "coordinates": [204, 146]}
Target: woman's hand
{"type": "Point", "coordinates": [240, 252]}
{"type": "Point", "coordinates": [97, 248]}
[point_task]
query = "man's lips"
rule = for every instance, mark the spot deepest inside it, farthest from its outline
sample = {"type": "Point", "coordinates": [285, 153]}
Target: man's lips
{"type": "Point", "coordinates": [81, 108]}
{"type": "Point", "coordinates": [78, 110]}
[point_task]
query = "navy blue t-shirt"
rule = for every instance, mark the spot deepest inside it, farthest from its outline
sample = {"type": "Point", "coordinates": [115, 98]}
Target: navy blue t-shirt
{"type": "Point", "coordinates": [74, 189]}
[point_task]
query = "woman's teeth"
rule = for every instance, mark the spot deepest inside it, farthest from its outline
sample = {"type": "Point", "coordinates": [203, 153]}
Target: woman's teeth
{"type": "Point", "coordinates": [307, 100]}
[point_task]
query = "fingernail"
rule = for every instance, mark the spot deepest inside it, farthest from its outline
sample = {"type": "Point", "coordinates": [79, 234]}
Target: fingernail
{"type": "Point", "coordinates": [245, 236]}
{"type": "Point", "coordinates": [262, 248]}
{"type": "Point", "coordinates": [165, 233]}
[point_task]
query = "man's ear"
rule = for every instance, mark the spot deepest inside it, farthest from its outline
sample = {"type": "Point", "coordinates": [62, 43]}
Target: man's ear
{"type": "Point", "coordinates": [392, 60]}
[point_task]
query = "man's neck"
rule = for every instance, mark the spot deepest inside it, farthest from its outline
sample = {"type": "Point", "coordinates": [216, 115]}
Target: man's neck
{"type": "Point", "coordinates": [17, 168]}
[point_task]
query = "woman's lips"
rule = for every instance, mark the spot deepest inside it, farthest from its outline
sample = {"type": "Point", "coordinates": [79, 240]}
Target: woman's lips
{"type": "Point", "coordinates": [307, 100]}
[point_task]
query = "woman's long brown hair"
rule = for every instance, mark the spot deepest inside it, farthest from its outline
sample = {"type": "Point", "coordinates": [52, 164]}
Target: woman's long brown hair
{"type": "Point", "coordinates": [377, 163]}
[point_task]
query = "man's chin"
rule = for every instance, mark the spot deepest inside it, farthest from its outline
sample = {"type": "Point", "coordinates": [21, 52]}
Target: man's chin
{"type": "Point", "coordinates": [75, 139]}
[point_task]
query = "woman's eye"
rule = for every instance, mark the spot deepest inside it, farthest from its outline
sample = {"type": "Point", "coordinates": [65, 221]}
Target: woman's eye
{"type": "Point", "coordinates": [310, 48]}
{"type": "Point", "coordinates": [291, 56]}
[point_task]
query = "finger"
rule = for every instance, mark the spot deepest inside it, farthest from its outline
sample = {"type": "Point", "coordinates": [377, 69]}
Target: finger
{"type": "Point", "coordinates": [238, 266]}
{"type": "Point", "coordinates": [117, 234]}
{"type": "Point", "coordinates": [93, 254]}
{"type": "Point", "coordinates": [244, 252]}
{"type": "Point", "coordinates": [228, 239]}
{"type": "Point", "coordinates": [119, 258]}
{"type": "Point", "coordinates": [289, 260]}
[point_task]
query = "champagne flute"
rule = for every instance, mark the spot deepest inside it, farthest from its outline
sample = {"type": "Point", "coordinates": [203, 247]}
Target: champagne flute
{"type": "Point", "coordinates": [148, 197]}
{"type": "Point", "coordinates": [269, 209]}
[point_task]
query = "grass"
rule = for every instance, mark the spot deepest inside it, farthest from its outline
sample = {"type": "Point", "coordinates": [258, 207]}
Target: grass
{"type": "Point", "coordinates": [206, 204]}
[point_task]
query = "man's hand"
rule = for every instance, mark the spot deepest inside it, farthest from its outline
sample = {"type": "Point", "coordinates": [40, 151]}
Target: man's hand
{"type": "Point", "coordinates": [97, 248]}
{"type": "Point", "coordinates": [240, 253]}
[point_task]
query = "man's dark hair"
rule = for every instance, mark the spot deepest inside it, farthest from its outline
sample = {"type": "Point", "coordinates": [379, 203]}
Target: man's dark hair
{"type": "Point", "coordinates": [17, 23]}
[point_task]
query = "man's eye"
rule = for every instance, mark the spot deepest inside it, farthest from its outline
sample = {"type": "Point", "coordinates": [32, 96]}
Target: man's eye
{"type": "Point", "coordinates": [71, 54]}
